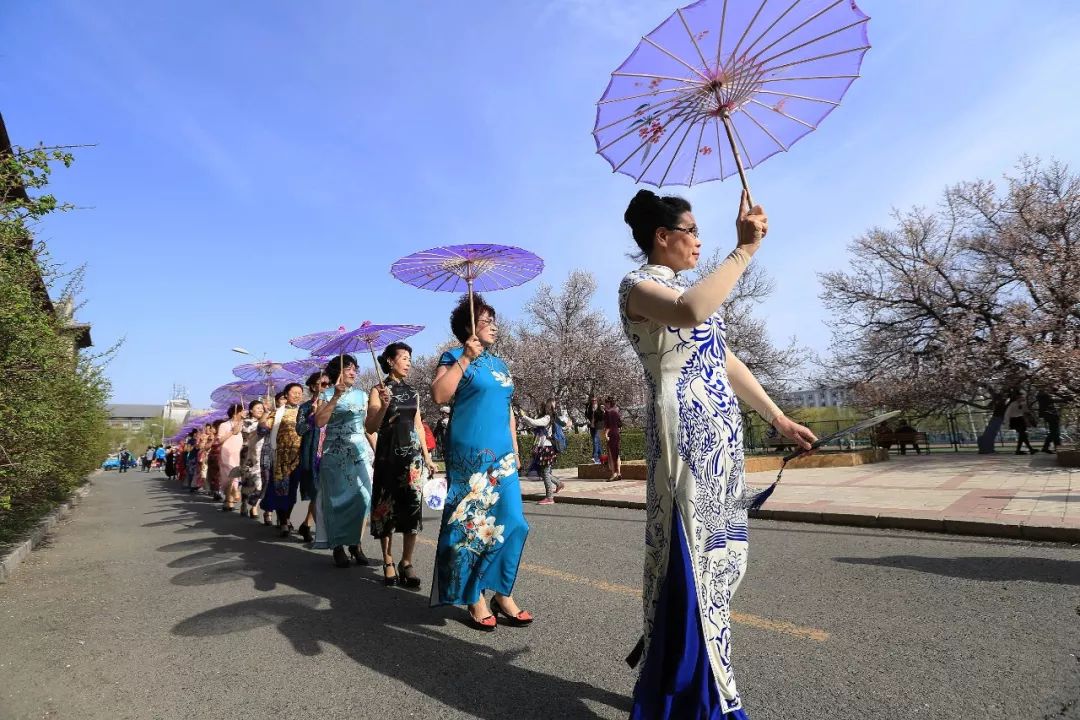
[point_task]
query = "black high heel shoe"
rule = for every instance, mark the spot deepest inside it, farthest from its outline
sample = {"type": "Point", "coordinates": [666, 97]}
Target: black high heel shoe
{"type": "Point", "coordinates": [407, 576]}
{"type": "Point", "coordinates": [286, 529]}
{"type": "Point", "coordinates": [340, 558]}
{"type": "Point", "coordinates": [389, 580]}
{"type": "Point", "coordinates": [358, 556]}
{"type": "Point", "coordinates": [304, 531]}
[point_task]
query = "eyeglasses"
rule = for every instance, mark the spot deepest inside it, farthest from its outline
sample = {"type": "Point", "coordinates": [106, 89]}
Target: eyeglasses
{"type": "Point", "coordinates": [692, 230]}
{"type": "Point", "coordinates": [490, 322]}
{"type": "Point", "coordinates": [324, 383]}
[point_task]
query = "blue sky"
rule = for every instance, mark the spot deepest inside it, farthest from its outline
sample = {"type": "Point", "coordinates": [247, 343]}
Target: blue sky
{"type": "Point", "coordinates": [322, 140]}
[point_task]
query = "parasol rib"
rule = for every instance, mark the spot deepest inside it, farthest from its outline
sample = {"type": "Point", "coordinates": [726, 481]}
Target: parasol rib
{"type": "Point", "coordinates": [746, 32]}
{"type": "Point", "coordinates": [642, 111]}
{"type": "Point", "coordinates": [693, 167]}
{"type": "Point", "coordinates": [817, 39]}
{"type": "Point", "coordinates": [704, 62]}
{"type": "Point", "coordinates": [798, 97]}
{"type": "Point", "coordinates": [654, 93]}
{"type": "Point", "coordinates": [675, 154]}
{"type": "Point", "coordinates": [676, 58]}
{"type": "Point", "coordinates": [767, 30]}
{"type": "Point", "coordinates": [781, 112]}
{"type": "Point", "coordinates": [816, 58]}
{"type": "Point", "coordinates": [654, 77]}
{"type": "Point", "coordinates": [660, 151]}
{"type": "Point", "coordinates": [795, 29]}
{"type": "Point", "coordinates": [764, 129]}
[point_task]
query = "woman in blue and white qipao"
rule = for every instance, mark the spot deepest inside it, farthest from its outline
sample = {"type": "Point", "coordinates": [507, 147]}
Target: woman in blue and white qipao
{"type": "Point", "coordinates": [696, 535]}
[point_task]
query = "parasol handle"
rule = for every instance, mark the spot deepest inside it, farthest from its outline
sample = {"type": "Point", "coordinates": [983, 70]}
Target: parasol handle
{"type": "Point", "coordinates": [378, 370]}
{"type": "Point", "coordinates": [730, 130]}
{"type": "Point", "coordinates": [472, 309]}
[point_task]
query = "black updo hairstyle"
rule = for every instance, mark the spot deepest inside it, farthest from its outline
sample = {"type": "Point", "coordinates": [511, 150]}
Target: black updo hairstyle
{"type": "Point", "coordinates": [335, 367]}
{"type": "Point", "coordinates": [313, 380]}
{"type": "Point", "coordinates": [388, 355]}
{"type": "Point", "coordinates": [460, 320]}
{"type": "Point", "coordinates": [648, 211]}
{"type": "Point", "coordinates": [234, 409]}
{"type": "Point", "coordinates": [253, 403]}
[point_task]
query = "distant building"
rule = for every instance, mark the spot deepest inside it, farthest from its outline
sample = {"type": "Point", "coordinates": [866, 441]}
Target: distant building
{"type": "Point", "coordinates": [818, 397]}
{"type": "Point", "coordinates": [133, 417]}
{"type": "Point", "coordinates": [177, 410]}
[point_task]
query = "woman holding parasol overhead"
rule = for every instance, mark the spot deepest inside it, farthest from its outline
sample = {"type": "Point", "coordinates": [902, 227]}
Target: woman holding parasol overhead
{"type": "Point", "coordinates": [344, 479]}
{"type": "Point", "coordinates": [483, 527]}
{"type": "Point", "coordinates": [696, 511]}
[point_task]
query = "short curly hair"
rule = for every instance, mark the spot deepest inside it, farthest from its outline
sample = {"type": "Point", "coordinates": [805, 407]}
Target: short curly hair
{"type": "Point", "coordinates": [461, 318]}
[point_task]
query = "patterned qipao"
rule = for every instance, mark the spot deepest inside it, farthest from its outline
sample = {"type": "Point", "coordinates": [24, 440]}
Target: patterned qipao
{"type": "Point", "coordinates": [483, 527]}
{"type": "Point", "coordinates": [344, 477]}
{"type": "Point", "coordinates": [696, 540]}
{"type": "Point", "coordinates": [399, 467]}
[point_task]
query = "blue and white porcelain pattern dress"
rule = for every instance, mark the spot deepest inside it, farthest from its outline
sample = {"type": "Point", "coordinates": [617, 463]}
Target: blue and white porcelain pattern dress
{"type": "Point", "coordinates": [696, 540]}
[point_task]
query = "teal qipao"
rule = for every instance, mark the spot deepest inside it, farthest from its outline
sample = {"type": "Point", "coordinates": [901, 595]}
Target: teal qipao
{"type": "Point", "coordinates": [483, 526]}
{"type": "Point", "coordinates": [344, 480]}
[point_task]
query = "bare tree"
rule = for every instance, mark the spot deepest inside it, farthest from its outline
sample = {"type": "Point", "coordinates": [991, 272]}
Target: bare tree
{"type": "Point", "coordinates": [962, 306]}
{"type": "Point", "coordinates": [566, 349]}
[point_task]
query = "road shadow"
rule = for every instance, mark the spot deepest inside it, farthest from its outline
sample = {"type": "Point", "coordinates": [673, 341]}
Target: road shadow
{"type": "Point", "coordinates": [993, 569]}
{"type": "Point", "coordinates": [391, 631]}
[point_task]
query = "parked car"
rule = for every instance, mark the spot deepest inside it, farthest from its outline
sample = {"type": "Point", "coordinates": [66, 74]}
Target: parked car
{"type": "Point", "coordinates": [112, 463]}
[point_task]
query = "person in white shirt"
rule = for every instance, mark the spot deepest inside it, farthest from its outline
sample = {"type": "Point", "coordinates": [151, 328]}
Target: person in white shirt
{"type": "Point", "coordinates": [1016, 413]}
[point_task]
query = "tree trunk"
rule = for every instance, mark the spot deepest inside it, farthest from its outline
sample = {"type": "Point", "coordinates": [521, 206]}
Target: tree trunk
{"type": "Point", "coordinates": [989, 435]}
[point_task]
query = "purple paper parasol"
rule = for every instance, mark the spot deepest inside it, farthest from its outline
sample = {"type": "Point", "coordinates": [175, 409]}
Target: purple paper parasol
{"type": "Point", "coordinates": [259, 370]}
{"type": "Point", "coordinates": [305, 366]}
{"type": "Point", "coordinates": [471, 268]}
{"type": "Point", "coordinates": [243, 390]}
{"type": "Point", "coordinates": [722, 82]}
{"type": "Point", "coordinates": [314, 340]}
{"type": "Point", "coordinates": [368, 337]}
{"type": "Point", "coordinates": [459, 268]}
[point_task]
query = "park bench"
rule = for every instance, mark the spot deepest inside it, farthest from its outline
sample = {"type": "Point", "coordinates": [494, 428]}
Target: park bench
{"type": "Point", "coordinates": [888, 439]}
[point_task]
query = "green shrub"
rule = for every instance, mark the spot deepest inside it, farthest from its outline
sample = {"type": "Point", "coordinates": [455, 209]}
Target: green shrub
{"type": "Point", "coordinates": [579, 448]}
{"type": "Point", "coordinates": [53, 417]}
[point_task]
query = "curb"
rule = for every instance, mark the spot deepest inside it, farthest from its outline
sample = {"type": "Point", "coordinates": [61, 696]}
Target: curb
{"type": "Point", "coordinates": [945, 526]}
{"type": "Point", "coordinates": [15, 557]}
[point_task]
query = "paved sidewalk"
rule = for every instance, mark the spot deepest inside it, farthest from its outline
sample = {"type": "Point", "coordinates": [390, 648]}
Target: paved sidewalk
{"type": "Point", "coordinates": [996, 495]}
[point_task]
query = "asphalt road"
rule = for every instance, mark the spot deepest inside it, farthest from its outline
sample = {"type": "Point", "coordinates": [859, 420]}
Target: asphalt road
{"type": "Point", "coordinates": [149, 603]}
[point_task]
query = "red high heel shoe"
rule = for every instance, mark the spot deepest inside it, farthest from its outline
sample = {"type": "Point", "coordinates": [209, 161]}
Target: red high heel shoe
{"type": "Point", "coordinates": [522, 619]}
{"type": "Point", "coordinates": [486, 624]}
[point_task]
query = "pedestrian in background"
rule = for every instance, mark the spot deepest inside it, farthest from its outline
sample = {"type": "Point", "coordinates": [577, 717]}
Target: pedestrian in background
{"type": "Point", "coordinates": [613, 431]}
{"type": "Point", "coordinates": [544, 451]}
{"type": "Point", "coordinates": [1016, 417]}
{"type": "Point", "coordinates": [1049, 413]}
{"type": "Point", "coordinates": [594, 415]}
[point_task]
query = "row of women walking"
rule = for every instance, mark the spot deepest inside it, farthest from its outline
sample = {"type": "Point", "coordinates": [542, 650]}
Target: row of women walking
{"type": "Point", "coordinates": [360, 459]}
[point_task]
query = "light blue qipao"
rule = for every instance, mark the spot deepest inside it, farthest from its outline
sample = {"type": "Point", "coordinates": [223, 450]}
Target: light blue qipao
{"type": "Point", "coordinates": [344, 480]}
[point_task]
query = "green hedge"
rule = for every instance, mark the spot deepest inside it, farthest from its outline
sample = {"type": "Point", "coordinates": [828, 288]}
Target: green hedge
{"type": "Point", "coordinates": [579, 448]}
{"type": "Point", "coordinates": [53, 417]}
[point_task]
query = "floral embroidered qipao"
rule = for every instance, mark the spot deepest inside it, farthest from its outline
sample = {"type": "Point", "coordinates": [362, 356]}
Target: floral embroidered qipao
{"type": "Point", "coordinates": [483, 527]}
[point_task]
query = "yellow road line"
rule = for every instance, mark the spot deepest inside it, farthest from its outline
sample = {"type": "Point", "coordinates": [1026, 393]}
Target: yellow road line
{"type": "Point", "coordinates": [779, 626]}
